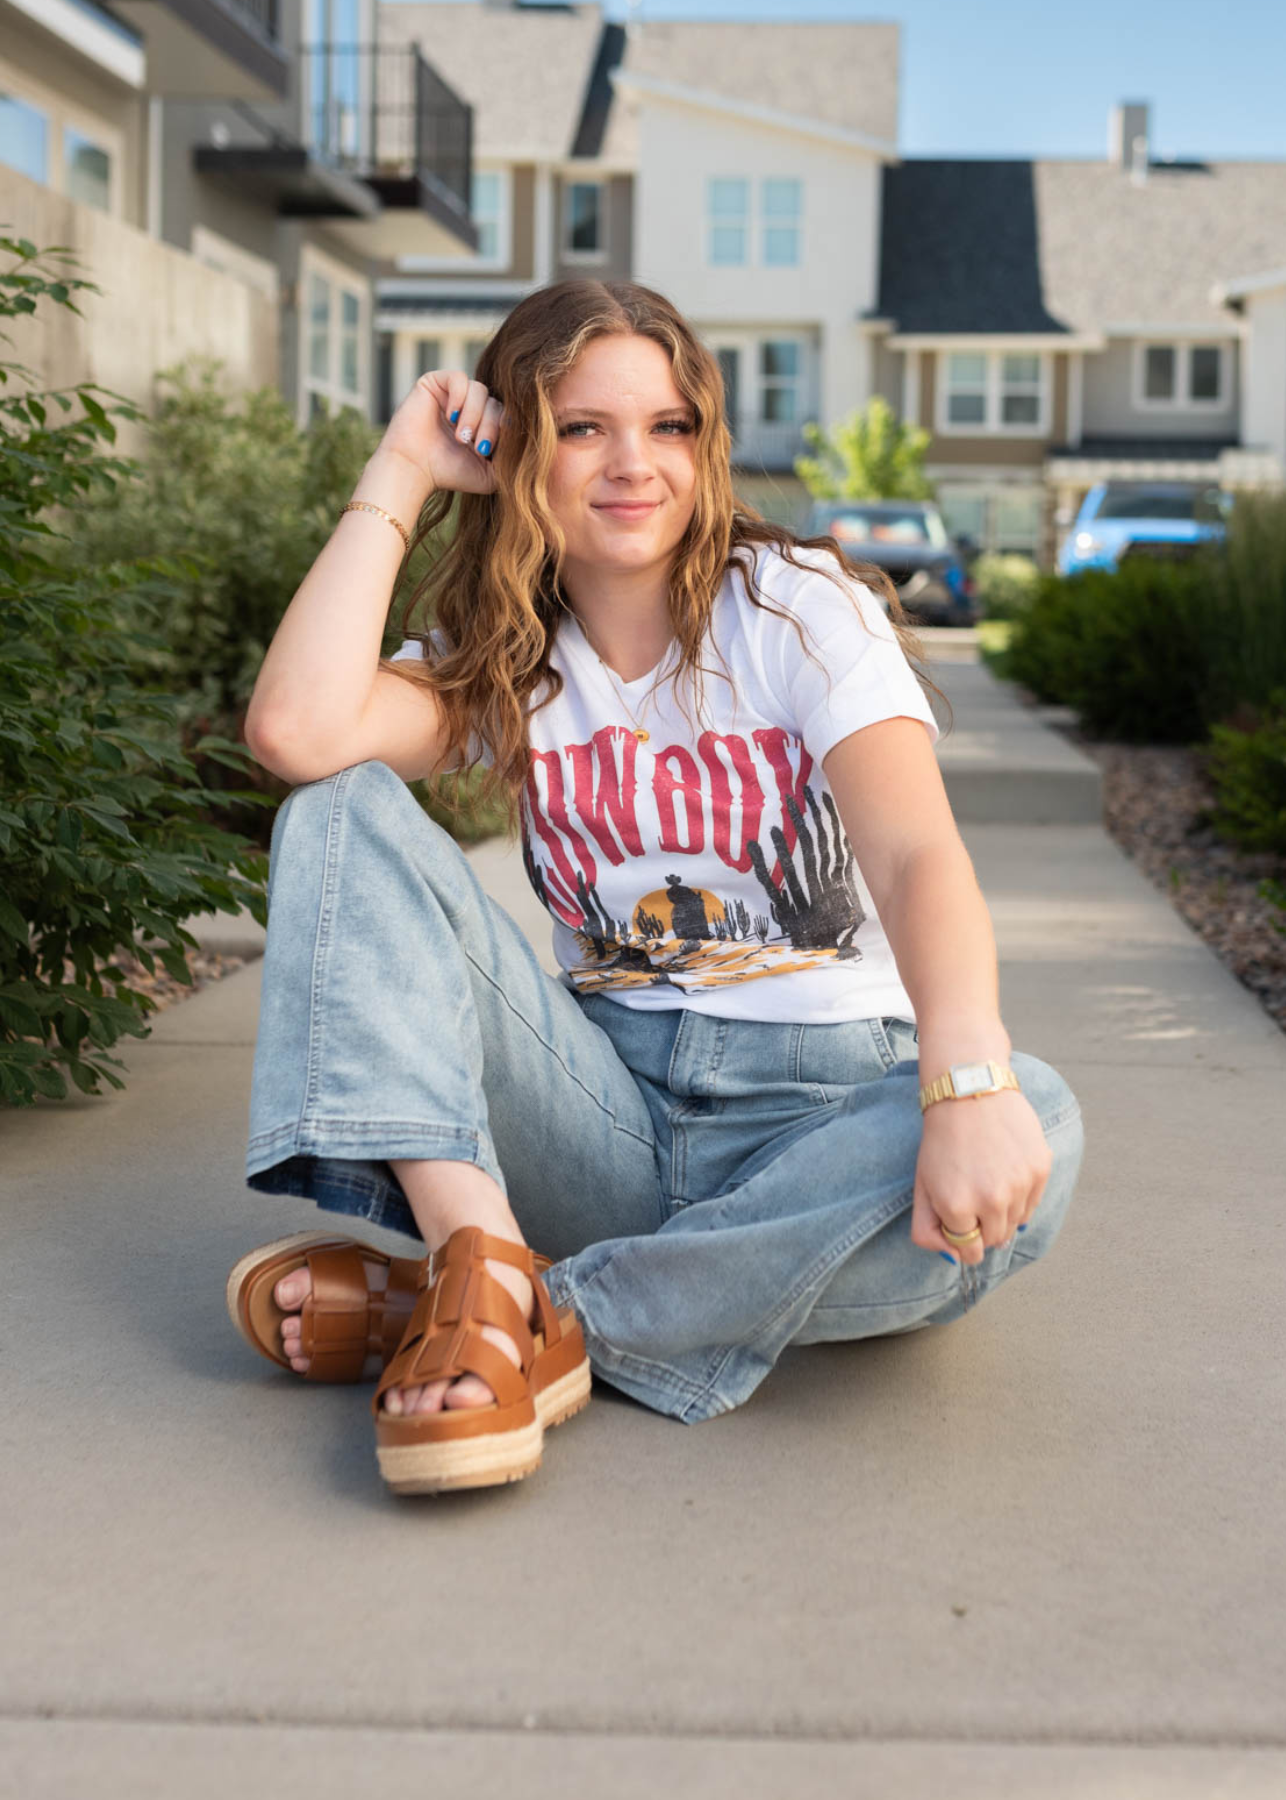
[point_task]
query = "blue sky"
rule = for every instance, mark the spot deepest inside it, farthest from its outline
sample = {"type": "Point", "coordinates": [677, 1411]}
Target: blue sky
{"type": "Point", "coordinates": [1026, 78]}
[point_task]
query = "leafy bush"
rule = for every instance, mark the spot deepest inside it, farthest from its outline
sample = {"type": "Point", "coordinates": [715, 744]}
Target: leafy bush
{"type": "Point", "coordinates": [1006, 585]}
{"type": "Point", "coordinates": [1126, 648]}
{"type": "Point", "coordinates": [244, 501]}
{"type": "Point", "coordinates": [1158, 651]}
{"type": "Point", "coordinates": [241, 502]}
{"type": "Point", "coordinates": [1248, 769]}
{"type": "Point", "coordinates": [101, 812]}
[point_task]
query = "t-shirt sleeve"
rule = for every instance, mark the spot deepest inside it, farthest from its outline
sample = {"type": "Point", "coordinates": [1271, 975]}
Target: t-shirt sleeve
{"type": "Point", "coordinates": [412, 650]}
{"type": "Point", "coordinates": [854, 672]}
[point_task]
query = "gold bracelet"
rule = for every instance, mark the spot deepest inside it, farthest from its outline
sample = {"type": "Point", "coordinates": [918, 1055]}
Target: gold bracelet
{"type": "Point", "coordinates": [365, 506]}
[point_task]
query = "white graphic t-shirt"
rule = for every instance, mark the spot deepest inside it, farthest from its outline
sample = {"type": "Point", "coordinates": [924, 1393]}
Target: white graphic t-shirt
{"type": "Point", "coordinates": [707, 866]}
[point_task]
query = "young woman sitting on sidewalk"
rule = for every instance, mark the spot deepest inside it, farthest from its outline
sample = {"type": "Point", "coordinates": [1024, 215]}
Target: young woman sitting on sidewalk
{"type": "Point", "coordinates": [734, 1123]}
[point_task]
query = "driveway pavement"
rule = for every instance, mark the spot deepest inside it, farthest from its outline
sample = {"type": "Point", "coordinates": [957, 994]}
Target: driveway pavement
{"type": "Point", "coordinates": [1036, 1553]}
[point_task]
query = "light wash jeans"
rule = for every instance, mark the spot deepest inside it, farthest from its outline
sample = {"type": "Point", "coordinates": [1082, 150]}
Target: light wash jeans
{"type": "Point", "coordinates": [713, 1189]}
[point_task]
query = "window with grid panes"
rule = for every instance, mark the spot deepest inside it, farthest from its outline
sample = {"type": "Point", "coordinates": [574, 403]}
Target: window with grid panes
{"type": "Point", "coordinates": [780, 369]}
{"type": "Point", "coordinates": [729, 200]}
{"type": "Point", "coordinates": [781, 202]}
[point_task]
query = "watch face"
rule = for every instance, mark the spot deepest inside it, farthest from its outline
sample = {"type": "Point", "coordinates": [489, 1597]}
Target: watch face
{"type": "Point", "coordinates": [972, 1078]}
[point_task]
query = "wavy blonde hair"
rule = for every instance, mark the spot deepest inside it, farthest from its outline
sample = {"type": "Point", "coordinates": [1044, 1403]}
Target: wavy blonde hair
{"type": "Point", "coordinates": [494, 591]}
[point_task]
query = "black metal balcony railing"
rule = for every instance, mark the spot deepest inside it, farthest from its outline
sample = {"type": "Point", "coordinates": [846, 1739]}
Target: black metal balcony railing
{"type": "Point", "coordinates": [383, 113]}
{"type": "Point", "coordinates": [264, 15]}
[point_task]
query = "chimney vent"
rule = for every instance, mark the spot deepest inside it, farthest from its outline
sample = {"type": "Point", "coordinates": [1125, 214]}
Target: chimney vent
{"type": "Point", "coordinates": [1127, 138]}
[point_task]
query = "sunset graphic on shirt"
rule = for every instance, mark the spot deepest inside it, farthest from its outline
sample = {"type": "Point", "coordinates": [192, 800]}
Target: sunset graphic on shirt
{"type": "Point", "coordinates": [803, 911]}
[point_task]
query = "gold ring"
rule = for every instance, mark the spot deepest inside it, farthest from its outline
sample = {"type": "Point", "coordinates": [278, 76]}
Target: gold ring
{"type": "Point", "coordinates": [956, 1237]}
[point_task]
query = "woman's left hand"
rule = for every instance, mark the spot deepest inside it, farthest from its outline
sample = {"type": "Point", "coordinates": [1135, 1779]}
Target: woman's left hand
{"type": "Point", "coordinates": [984, 1162]}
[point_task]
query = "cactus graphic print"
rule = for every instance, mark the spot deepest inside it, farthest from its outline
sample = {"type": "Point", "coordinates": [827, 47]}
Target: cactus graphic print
{"type": "Point", "coordinates": [762, 882]}
{"type": "Point", "coordinates": [708, 866]}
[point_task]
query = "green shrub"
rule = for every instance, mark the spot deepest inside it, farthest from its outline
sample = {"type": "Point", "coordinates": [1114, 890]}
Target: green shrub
{"type": "Point", "coordinates": [1248, 769]}
{"type": "Point", "coordinates": [245, 500]}
{"type": "Point", "coordinates": [1006, 585]}
{"type": "Point", "coordinates": [101, 812]}
{"type": "Point", "coordinates": [1125, 647]}
{"type": "Point", "coordinates": [241, 501]}
{"type": "Point", "coordinates": [1157, 651]}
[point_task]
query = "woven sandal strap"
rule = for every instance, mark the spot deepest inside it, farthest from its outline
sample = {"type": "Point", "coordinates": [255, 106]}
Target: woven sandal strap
{"type": "Point", "coordinates": [472, 1243]}
{"type": "Point", "coordinates": [443, 1339]}
{"type": "Point", "coordinates": [341, 1321]}
{"type": "Point", "coordinates": [447, 1353]}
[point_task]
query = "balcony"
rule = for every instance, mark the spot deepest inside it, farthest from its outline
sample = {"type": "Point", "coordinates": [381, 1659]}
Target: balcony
{"type": "Point", "coordinates": [382, 115]}
{"type": "Point", "coordinates": [379, 146]}
{"type": "Point", "coordinates": [765, 446]}
{"type": "Point", "coordinates": [210, 49]}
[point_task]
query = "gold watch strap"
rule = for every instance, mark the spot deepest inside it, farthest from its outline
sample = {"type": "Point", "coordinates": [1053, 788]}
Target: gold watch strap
{"type": "Point", "coordinates": [944, 1087]}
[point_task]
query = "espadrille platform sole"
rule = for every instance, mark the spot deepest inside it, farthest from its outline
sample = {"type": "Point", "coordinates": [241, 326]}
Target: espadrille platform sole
{"type": "Point", "coordinates": [479, 1446]}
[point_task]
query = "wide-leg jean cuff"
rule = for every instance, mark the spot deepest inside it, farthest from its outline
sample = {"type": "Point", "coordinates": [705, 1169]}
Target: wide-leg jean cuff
{"type": "Point", "coordinates": [344, 1166]}
{"type": "Point", "coordinates": [657, 1385]}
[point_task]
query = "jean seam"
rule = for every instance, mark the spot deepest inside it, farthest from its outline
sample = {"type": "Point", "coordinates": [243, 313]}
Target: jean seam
{"type": "Point", "coordinates": [882, 1044]}
{"type": "Point", "coordinates": [1065, 1116]}
{"type": "Point", "coordinates": [866, 1227]}
{"type": "Point", "coordinates": [570, 1074]}
{"type": "Point", "coordinates": [321, 943]}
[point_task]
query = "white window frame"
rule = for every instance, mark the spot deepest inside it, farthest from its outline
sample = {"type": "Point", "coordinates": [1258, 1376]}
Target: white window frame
{"type": "Point", "coordinates": [754, 222]}
{"type": "Point", "coordinates": [800, 381]}
{"type": "Point", "coordinates": [565, 251]}
{"type": "Point", "coordinates": [58, 115]}
{"type": "Point", "coordinates": [991, 425]}
{"type": "Point", "coordinates": [767, 222]}
{"type": "Point", "coordinates": [341, 280]}
{"type": "Point", "coordinates": [743, 222]}
{"type": "Point", "coordinates": [1183, 397]}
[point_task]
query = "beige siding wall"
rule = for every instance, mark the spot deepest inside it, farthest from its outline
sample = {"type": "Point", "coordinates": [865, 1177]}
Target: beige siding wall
{"type": "Point", "coordinates": [523, 266]}
{"type": "Point", "coordinates": [157, 304]}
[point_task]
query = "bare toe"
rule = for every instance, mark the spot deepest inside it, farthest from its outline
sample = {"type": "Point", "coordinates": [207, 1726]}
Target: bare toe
{"type": "Point", "coordinates": [292, 1290]}
{"type": "Point", "coordinates": [470, 1390]}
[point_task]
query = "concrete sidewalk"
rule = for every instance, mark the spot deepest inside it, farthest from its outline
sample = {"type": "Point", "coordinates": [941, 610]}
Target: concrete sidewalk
{"type": "Point", "coordinates": [1038, 1553]}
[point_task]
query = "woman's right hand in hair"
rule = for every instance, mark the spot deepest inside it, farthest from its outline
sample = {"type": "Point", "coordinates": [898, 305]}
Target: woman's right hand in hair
{"type": "Point", "coordinates": [423, 431]}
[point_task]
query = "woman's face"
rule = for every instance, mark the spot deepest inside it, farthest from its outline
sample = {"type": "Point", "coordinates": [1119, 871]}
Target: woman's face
{"type": "Point", "coordinates": [623, 484]}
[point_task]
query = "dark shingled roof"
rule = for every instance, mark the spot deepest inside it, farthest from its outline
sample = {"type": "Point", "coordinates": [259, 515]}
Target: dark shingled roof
{"type": "Point", "coordinates": [1071, 246]}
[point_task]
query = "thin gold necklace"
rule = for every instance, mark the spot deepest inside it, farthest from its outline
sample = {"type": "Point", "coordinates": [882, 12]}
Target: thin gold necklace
{"type": "Point", "coordinates": [636, 724]}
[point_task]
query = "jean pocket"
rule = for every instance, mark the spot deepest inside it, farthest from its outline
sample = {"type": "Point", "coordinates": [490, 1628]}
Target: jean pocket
{"type": "Point", "coordinates": [903, 1039]}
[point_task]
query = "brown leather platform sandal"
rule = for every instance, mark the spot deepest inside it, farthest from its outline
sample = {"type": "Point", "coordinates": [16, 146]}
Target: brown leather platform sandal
{"type": "Point", "coordinates": [479, 1446]}
{"type": "Point", "coordinates": [343, 1322]}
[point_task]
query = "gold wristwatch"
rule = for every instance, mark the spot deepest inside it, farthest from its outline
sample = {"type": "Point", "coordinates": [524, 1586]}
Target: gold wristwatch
{"type": "Point", "coordinates": [966, 1081]}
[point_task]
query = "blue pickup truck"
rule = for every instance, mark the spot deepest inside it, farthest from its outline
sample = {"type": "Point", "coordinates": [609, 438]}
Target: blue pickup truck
{"type": "Point", "coordinates": [1155, 518]}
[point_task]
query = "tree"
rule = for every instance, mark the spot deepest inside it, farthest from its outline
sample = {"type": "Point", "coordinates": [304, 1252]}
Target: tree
{"type": "Point", "coordinates": [870, 455]}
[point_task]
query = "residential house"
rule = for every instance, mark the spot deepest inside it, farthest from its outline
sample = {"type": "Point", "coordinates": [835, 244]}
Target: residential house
{"type": "Point", "coordinates": [760, 154]}
{"type": "Point", "coordinates": [733, 165]}
{"type": "Point", "coordinates": [226, 176]}
{"type": "Point", "coordinates": [1258, 304]}
{"type": "Point", "coordinates": [553, 175]}
{"type": "Point", "coordinates": [1053, 325]}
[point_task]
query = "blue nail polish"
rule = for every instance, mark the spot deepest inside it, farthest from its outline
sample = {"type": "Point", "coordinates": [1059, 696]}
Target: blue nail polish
{"type": "Point", "coordinates": [455, 415]}
{"type": "Point", "coordinates": [484, 448]}
{"type": "Point", "coordinates": [1022, 1228]}
{"type": "Point", "coordinates": [947, 1257]}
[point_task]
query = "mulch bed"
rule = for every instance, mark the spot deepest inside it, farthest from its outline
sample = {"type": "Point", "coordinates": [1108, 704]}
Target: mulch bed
{"type": "Point", "coordinates": [204, 966]}
{"type": "Point", "coordinates": [1155, 801]}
